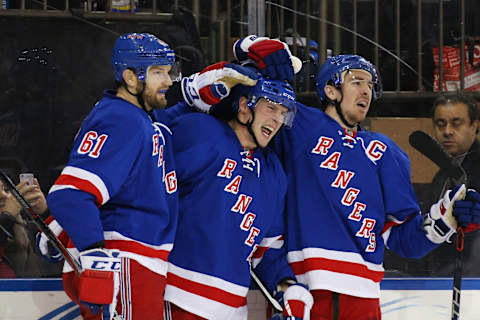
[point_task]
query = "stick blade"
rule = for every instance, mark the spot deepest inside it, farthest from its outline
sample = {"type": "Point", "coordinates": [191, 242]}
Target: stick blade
{"type": "Point", "coordinates": [434, 151]}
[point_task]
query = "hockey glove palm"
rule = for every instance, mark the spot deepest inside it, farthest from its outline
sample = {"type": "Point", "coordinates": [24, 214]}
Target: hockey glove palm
{"type": "Point", "coordinates": [43, 243]}
{"type": "Point", "coordinates": [272, 57]}
{"type": "Point", "coordinates": [467, 212]}
{"type": "Point", "coordinates": [440, 224]}
{"type": "Point", "coordinates": [212, 84]}
{"type": "Point", "coordinates": [100, 280]}
{"type": "Point", "coordinates": [297, 302]}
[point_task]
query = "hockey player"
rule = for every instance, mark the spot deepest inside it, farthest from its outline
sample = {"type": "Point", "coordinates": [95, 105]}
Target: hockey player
{"type": "Point", "coordinates": [349, 194]}
{"type": "Point", "coordinates": [117, 198]}
{"type": "Point", "coordinates": [231, 192]}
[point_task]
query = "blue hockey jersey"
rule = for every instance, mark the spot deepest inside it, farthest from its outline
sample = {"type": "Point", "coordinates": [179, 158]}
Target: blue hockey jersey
{"type": "Point", "coordinates": [231, 204]}
{"type": "Point", "coordinates": [349, 195]}
{"type": "Point", "coordinates": [120, 184]}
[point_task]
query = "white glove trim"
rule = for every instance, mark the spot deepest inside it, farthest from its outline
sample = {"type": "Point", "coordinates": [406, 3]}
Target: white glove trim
{"type": "Point", "coordinates": [298, 293]}
{"type": "Point", "coordinates": [43, 241]}
{"type": "Point", "coordinates": [443, 210]}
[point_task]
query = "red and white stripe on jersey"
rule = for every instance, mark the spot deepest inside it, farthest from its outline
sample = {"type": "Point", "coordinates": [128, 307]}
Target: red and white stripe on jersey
{"type": "Point", "coordinates": [392, 222]}
{"type": "Point", "coordinates": [267, 242]}
{"type": "Point", "coordinates": [343, 272]}
{"type": "Point", "coordinates": [204, 295]}
{"type": "Point", "coordinates": [57, 230]}
{"type": "Point", "coordinates": [80, 179]}
{"type": "Point", "coordinates": [152, 257]}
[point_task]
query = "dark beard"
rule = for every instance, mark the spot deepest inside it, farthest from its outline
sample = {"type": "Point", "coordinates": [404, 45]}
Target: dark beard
{"type": "Point", "coordinates": [152, 102]}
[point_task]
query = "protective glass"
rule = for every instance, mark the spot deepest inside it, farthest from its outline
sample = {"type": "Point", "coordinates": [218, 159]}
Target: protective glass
{"type": "Point", "coordinates": [176, 72]}
{"type": "Point", "coordinates": [279, 112]}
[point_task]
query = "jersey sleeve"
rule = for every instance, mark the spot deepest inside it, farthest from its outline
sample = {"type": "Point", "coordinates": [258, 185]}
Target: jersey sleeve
{"type": "Point", "coordinates": [402, 232]}
{"type": "Point", "coordinates": [173, 112]}
{"type": "Point", "coordinates": [192, 135]}
{"type": "Point", "coordinates": [102, 158]}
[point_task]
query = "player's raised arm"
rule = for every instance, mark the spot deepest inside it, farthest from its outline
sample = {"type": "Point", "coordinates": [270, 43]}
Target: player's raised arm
{"type": "Point", "coordinates": [208, 87]}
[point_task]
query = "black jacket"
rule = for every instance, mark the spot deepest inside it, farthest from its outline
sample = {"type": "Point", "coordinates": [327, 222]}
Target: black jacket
{"type": "Point", "coordinates": [441, 261]}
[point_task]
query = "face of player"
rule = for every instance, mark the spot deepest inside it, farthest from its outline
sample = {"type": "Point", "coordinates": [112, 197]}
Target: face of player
{"type": "Point", "coordinates": [156, 85]}
{"type": "Point", "coordinates": [453, 128]}
{"type": "Point", "coordinates": [357, 95]}
{"type": "Point", "coordinates": [269, 118]}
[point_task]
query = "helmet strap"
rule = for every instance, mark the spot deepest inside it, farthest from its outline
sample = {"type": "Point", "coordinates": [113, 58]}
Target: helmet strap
{"type": "Point", "coordinates": [248, 125]}
{"type": "Point", "coordinates": [139, 96]}
{"type": "Point", "coordinates": [339, 111]}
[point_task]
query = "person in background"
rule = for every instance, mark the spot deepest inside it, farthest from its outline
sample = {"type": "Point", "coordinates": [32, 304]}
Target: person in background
{"type": "Point", "coordinates": [18, 257]}
{"type": "Point", "coordinates": [456, 124]}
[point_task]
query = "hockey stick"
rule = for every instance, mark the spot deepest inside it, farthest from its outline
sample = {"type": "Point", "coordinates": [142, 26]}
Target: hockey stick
{"type": "Point", "coordinates": [273, 302]}
{"type": "Point", "coordinates": [28, 212]}
{"type": "Point", "coordinates": [434, 151]}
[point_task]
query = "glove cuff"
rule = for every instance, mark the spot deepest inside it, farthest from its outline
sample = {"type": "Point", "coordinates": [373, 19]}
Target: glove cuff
{"type": "Point", "coordinates": [437, 231]}
{"type": "Point", "coordinates": [298, 301]}
{"type": "Point", "coordinates": [188, 90]}
{"type": "Point", "coordinates": [191, 93]}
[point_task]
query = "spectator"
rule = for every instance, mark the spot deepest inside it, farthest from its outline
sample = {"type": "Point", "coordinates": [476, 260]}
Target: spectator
{"type": "Point", "coordinates": [17, 255]}
{"type": "Point", "coordinates": [455, 123]}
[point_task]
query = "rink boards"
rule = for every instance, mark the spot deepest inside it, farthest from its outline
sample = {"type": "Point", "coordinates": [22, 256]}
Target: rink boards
{"type": "Point", "coordinates": [402, 298]}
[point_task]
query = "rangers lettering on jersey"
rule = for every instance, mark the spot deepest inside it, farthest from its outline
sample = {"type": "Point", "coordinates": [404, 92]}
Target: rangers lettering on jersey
{"type": "Point", "coordinates": [227, 169]}
{"type": "Point", "coordinates": [374, 152]}
{"type": "Point", "coordinates": [156, 143]}
{"type": "Point", "coordinates": [234, 186]}
{"type": "Point", "coordinates": [349, 196]}
{"type": "Point", "coordinates": [331, 162]}
{"type": "Point", "coordinates": [251, 237]}
{"type": "Point", "coordinates": [357, 208]}
{"type": "Point", "coordinates": [343, 178]}
{"type": "Point", "coordinates": [323, 144]}
{"type": "Point", "coordinates": [243, 201]}
{"type": "Point", "coordinates": [247, 221]}
{"type": "Point", "coordinates": [242, 204]}
{"type": "Point", "coordinates": [171, 182]}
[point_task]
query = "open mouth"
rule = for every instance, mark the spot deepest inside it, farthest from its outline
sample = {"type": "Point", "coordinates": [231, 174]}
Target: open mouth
{"type": "Point", "coordinates": [267, 131]}
{"type": "Point", "coordinates": [362, 104]}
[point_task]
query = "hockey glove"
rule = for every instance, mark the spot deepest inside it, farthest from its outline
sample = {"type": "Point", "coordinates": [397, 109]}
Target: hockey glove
{"type": "Point", "coordinates": [440, 224]}
{"type": "Point", "coordinates": [43, 244]}
{"type": "Point", "coordinates": [212, 84]}
{"type": "Point", "coordinates": [100, 280]}
{"type": "Point", "coordinates": [467, 212]}
{"type": "Point", "coordinates": [296, 300]}
{"type": "Point", "coordinates": [272, 57]}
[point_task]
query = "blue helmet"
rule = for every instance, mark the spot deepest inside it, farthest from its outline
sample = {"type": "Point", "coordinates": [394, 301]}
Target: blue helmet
{"type": "Point", "coordinates": [276, 91]}
{"type": "Point", "coordinates": [139, 51]}
{"type": "Point", "coordinates": [333, 68]}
